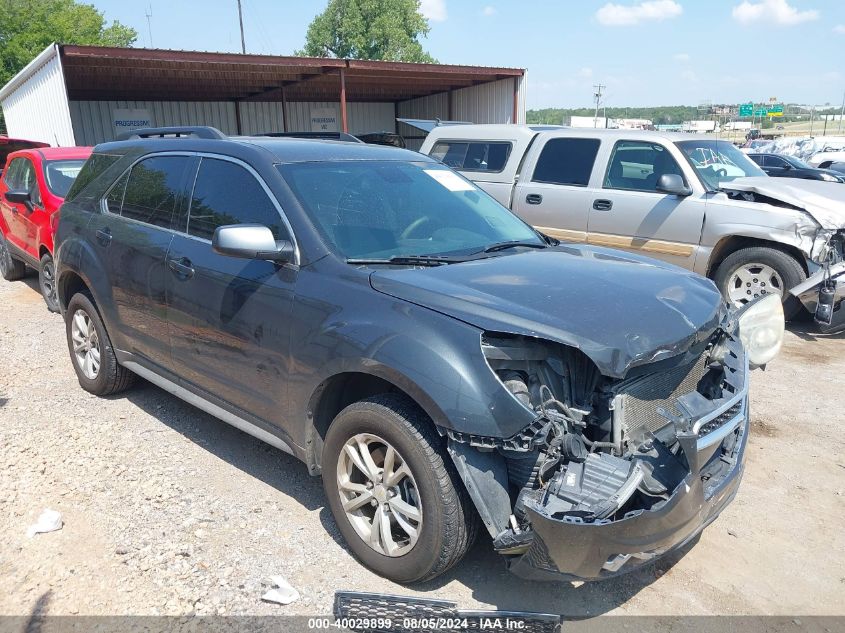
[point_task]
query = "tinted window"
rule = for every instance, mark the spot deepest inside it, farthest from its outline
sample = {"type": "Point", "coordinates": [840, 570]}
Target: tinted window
{"type": "Point", "coordinates": [21, 175]}
{"type": "Point", "coordinates": [567, 161]}
{"type": "Point", "coordinates": [153, 190]}
{"type": "Point", "coordinates": [758, 158]}
{"type": "Point", "coordinates": [115, 197]}
{"type": "Point", "coordinates": [93, 167]}
{"type": "Point", "coordinates": [226, 193]}
{"type": "Point", "coordinates": [637, 166]}
{"type": "Point", "coordinates": [472, 156]}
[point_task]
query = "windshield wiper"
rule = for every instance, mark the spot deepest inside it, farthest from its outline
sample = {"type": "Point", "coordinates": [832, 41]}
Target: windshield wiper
{"type": "Point", "coordinates": [501, 246]}
{"type": "Point", "coordinates": [414, 260]}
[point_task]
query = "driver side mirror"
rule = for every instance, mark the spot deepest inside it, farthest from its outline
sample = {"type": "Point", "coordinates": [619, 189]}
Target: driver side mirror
{"type": "Point", "coordinates": [20, 196]}
{"type": "Point", "coordinates": [251, 241]}
{"type": "Point", "coordinates": [672, 184]}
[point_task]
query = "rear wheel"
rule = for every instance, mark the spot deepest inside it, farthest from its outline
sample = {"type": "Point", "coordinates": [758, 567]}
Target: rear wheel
{"type": "Point", "coordinates": [91, 351]}
{"type": "Point", "coordinates": [10, 268]}
{"type": "Point", "coordinates": [753, 272]}
{"type": "Point", "coordinates": [394, 493]}
{"type": "Point", "coordinates": [47, 282]}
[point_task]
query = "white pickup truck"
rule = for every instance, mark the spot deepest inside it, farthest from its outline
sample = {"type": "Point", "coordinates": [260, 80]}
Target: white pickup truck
{"type": "Point", "coordinates": [693, 200]}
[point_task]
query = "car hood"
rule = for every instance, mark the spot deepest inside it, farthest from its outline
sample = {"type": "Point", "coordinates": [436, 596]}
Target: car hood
{"type": "Point", "coordinates": [620, 310]}
{"type": "Point", "coordinates": [823, 201]}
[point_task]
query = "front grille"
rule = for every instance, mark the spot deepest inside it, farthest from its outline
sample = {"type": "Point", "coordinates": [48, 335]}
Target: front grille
{"type": "Point", "coordinates": [638, 399]}
{"type": "Point", "coordinates": [720, 420]}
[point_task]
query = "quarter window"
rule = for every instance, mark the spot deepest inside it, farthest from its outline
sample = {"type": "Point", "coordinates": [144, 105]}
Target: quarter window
{"type": "Point", "coordinates": [638, 165]}
{"type": "Point", "coordinates": [567, 161]}
{"type": "Point", "coordinates": [472, 156]}
{"type": "Point", "coordinates": [153, 190]}
{"type": "Point", "coordinates": [226, 193]}
{"type": "Point", "coordinates": [115, 197]}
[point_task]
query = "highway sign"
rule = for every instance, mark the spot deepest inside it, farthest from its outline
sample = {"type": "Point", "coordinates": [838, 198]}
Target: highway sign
{"type": "Point", "coordinates": [746, 109]}
{"type": "Point", "coordinates": [761, 112]}
{"type": "Point", "coordinates": [776, 109]}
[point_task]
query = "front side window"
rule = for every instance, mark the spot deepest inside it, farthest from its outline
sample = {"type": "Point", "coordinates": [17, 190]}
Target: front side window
{"type": "Point", "coordinates": [490, 156]}
{"type": "Point", "coordinates": [637, 166]}
{"type": "Point", "coordinates": [567, 161]}
{"type": "Point", "coordinates": [718, 162]}
{"type": "Point", "coordinates": [153, 188]}
{"type": "Point", "coordinates": [384, 209]}
{"type": "Point", "coordinates": [60, 175]}
{"type": "Point", "coordinates": [226, 193]}
{"type": "Point", "coordinates": [13, 173]}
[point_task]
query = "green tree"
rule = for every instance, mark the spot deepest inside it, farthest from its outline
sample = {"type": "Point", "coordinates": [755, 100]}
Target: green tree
{"type": "Point", "coordinates": [369, 29]}
{"type": "Point", "coordinates": [29, 26]}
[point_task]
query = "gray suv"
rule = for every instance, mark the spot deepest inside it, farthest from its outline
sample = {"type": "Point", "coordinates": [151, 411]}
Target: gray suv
{"type": "Point", "coordinates": [442, 364]}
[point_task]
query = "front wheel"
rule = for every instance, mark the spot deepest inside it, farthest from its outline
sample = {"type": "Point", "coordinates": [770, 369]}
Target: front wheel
{"type": "Point", "coordinates": [47, 282]}
{"type": "Point", "coordinates": [753, 272]}
{"type": "Point", "coordinates": [394, 494]}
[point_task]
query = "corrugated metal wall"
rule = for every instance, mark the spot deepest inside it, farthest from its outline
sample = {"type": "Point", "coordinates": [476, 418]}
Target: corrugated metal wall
{"type": "Point", "coordinates": [93, 120]}
{"type": "Point", "coordinates": [486, 103]}
{"type": "Point", "coordinates": [26, 116]}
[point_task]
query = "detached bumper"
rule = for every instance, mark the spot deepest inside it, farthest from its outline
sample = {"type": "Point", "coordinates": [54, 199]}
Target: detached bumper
{"type": "Point", "coordinates": [572, 550]}
{"type": "Point", "coordinates": [808, 294]}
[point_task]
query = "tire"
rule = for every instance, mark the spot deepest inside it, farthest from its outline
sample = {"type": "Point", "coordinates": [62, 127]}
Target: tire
{"type": "Point", "coordinates": [448, 524]}
{"type": "Point", "coordinates": [47, 282]}
{"type": "Point", "coordinates": [109, 377]}
{"type": "Point", "coordinates": [789, 272]}
{"type": "Point", "coordinates": [11, 269]}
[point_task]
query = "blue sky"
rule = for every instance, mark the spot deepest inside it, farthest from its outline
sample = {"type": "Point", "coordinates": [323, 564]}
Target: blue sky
{"type": "Point", "coordinates": [653, 52]}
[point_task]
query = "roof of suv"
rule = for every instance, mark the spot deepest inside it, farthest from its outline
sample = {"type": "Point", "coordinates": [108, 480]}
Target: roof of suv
{"type": "Point", "coordinates": [286, 150]}
{"type": "Point", "coordinates": [497, 131]}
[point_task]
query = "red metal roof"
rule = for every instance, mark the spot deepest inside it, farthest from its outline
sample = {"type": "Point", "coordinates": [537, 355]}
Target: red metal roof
{"type": "Point", "coordinates": [103, 73]}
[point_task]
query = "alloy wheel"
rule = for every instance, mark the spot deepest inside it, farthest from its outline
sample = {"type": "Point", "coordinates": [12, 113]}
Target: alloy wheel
{"type": "Point", "coordinates": [86, 344]}
{"type": "Point", "coordinates": [379, 494]}
{"type": "Point", "coordinates": [752, 281]}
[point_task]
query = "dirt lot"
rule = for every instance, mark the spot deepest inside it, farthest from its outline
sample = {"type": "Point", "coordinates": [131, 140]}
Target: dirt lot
{"type": "Point", "coordinates": [169, 511]}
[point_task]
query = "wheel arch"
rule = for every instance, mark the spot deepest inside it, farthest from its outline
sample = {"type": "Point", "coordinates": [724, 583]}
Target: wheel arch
{"type": "Point", "coordinates": [341, 389]}
{"type": "Point", "coordinates": [732, 243]}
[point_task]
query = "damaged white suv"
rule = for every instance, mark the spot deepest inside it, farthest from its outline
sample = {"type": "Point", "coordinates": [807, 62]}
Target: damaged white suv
{"type": "Point", "coordinates": [692, 200]}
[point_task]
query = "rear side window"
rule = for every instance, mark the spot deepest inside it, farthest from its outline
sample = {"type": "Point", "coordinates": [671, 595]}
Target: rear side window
{"type": "Point", "coordinates": [226, 193]}
{"type": "Point", "coordinates": [490, 156]}
{"type": "Point", "coordinates": [567, 161]}
{"type": "Point", "coordinates": [91, 170]}
{"type": "Point", "coordinates": [153, 189]}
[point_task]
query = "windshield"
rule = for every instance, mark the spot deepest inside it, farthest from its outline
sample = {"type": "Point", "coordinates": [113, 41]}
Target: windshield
{"type": "Point", "coordinates": [60, 175]}
{"type": "Point", "coordinates": [718, 162]}
{"type": "Point", "coordinates": [388, 209]}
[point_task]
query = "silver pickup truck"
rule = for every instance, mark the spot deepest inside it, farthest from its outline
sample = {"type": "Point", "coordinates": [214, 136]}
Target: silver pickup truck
{"type": "Point", "coordinates": [692, 200]}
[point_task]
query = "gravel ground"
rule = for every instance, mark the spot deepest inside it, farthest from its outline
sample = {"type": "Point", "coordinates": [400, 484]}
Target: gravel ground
{"type": "Point", "coordinates": [169, 511]}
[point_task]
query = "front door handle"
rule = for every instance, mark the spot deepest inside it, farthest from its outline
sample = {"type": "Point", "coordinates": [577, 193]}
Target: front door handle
{"type": "Point", "coordinates": [104, 236]}
{"type": "Point", "coordinates": [533, 198]}
{"type": "Point", "coordinates": [602, 205]}
{"type": "Point", "coordinates": [182, 267]}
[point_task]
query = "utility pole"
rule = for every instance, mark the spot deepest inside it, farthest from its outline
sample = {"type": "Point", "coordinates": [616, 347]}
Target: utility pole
{"type": "Point", "coordinates": [597, 97]}
{"type": "Point", "coordinates": [149, 14]}
{"type": "Point", "coordinates": [241, 21]}
{"type": "Point", "coordinates": [841, 112]}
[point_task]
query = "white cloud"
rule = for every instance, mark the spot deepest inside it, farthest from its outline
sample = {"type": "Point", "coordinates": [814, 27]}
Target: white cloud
{"type": "Point", "coordinates": [585, 73]}
{"type": "Point", "coordinates": [772, 11]}
{"type": "Point", "coordinates": [839, 28]}
{"type": "Point", "coordinates": [689, 76]}
{"type": "Point", "coordinates": [434, 10]}
{"type": "Point", "coordinates": [628, 15]}
{"type": "Point", "coordinates": [682, 57]}
{"type": "Point", "coordinates": [488, 11]}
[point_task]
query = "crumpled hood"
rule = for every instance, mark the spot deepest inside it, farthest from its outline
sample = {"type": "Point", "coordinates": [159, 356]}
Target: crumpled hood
{"type": "Point", "coordinates": [824, 201]}
{"type": "Point", "coordinates": [621, 310]}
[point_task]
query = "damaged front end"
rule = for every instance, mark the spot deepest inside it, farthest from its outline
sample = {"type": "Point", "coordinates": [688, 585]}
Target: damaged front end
{"type": "Point", "coordinates": [611, 473]}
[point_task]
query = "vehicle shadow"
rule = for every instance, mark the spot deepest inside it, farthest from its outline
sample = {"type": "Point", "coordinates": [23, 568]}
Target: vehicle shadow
{"type": "Point", "coordinates": [275, 468]}
{"type": "Point", "coordinates": [482, 569]}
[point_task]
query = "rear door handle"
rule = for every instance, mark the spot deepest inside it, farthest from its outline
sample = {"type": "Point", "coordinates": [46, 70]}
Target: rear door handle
{"type": "Point", "coordinates": [182, 267]}
{"type": "Point", "coordinates": [533, 198]}
{"type": "Point", "coordinates": [104, 236]}
{"type": "Point", "coordinates": [602, 205]}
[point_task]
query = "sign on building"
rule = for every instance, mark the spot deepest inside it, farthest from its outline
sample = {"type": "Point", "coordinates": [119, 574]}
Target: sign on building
{"type": "Point", "coordinates": [125, 120]}
{"type": "Point", "coordinates": [323, 119]}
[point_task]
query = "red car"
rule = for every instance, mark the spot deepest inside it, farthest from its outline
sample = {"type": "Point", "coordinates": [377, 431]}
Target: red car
{"type": "Point", "coordinates": [33, 186]}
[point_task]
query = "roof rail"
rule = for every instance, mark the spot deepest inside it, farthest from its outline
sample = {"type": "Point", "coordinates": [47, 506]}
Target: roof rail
{"type": "Point", "coordinates": [198, 131]}
{"type": "Point", "coordinates": [321, 136]}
